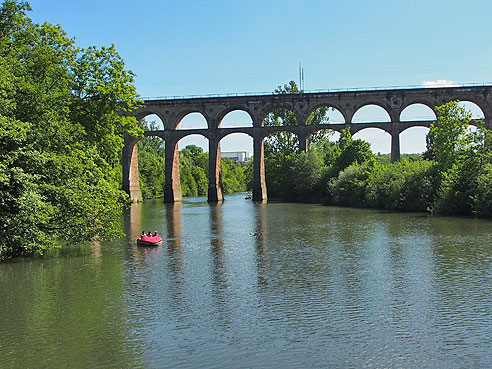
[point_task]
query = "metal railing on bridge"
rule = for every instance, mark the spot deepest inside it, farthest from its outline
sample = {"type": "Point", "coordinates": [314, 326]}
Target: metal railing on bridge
{"type": "Point", "coordinates": [350, 89]}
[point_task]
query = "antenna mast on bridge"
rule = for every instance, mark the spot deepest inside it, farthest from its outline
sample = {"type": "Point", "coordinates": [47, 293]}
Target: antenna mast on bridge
{"type": "Point", "coordinates": [301, 78]}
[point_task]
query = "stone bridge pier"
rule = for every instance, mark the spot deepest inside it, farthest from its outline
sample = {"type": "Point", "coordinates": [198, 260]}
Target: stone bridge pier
{"type": "Point", "coordinates": [213, 109]}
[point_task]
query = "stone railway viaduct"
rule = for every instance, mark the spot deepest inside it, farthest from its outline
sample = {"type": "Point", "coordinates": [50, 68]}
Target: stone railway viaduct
{"type": "Point", "coordinates": [214, 109]}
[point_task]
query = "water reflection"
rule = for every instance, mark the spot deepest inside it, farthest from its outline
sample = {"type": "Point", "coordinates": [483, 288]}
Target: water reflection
{"type": "Point", "coordinates": [240, 284]}
{"type": "Point", "coordinates": [261, 242]}
{"type": "Point", "coordinates": [220, 285]}
{"type": "Point", "coordinates": [174, 235]}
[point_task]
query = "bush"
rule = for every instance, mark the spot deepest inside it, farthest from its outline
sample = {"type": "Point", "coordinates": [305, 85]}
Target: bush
{"type": "Point", "coordinates": [402, 186]}
{"type": "Point", "coordinates": [482, 200]}
{"type": "Point", "coordinates": [350, 186]}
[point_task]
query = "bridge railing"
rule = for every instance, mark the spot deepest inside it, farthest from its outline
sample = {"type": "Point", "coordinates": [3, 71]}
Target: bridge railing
{"type": "Point", "coordinates": [334, 90]}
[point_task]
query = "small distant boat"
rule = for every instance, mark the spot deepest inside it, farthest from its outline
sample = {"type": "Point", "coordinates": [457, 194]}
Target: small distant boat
{"type": "Point", "coordinates": [149, 241]}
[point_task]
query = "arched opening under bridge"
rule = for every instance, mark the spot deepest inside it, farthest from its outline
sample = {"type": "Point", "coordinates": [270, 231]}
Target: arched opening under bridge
{"type": "Point", "coordinates": [192, 120]}
{"type": "Point", "coordinates": [153, 122]}
{"type": "Point", "coordinates": [325, 114]}
{"type": "Point", "coordinates": [413, 140]}
{"type": "Point", "coordinates": [283, 139]}
{"type": "Point", "coordinates": [371, 113]}
{"type": "Point", "coordinates": [192, 167]}
{"type": "Point", "coordinates": [379, 139]}
{"type": "Point", "coordinates": [417, 112]}
{"type": "Point", "coordinates": [236, 162]}
{"type": "Point", "coordinates": [236, 119]}
{"type": "Point", "coordinates": [474, 109]}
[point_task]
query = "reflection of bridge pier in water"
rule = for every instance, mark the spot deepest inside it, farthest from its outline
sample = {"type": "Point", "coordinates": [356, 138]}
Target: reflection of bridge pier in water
{"type": "Point", "coordinates": [131, 226]}
{"type": "Point", "coordinates": [174, 234]}
{"type": "Point", "coordinates": [131, 220]}
{"type": "Point", "coordinates": [217, 243]}
{"type": "Point", "coordinates": [220, 284]}
{"type": "Point", "coordinates": [261, 242]}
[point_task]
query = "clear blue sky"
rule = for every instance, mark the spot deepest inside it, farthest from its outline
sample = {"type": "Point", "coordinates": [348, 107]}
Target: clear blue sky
{"type": "Point", "coordinates": [208, 47]}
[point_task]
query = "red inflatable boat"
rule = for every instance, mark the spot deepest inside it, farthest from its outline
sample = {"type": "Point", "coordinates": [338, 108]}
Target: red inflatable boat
{"type": "Point", "coordinates": [149, 241]}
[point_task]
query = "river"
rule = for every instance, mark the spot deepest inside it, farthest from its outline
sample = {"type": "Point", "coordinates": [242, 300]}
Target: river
{"type": "Point", "coordinates": [244, 285]}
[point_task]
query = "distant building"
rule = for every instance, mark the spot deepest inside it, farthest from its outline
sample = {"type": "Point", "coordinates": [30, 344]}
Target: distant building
{"type": "Point", "coordinates": [237, 156]}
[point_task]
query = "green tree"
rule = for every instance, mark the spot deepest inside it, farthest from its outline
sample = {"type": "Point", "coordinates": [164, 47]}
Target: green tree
{"type": "Point", "coordinates": [461, 156]}
{"type": "Point", "coordinates": [59, 180]}
{"type": "Point", "coordinates": [288, 142]}
{"type": "Point", "coordinates": [351, 151]}
{"type": "Point", "coordinates": [233, 178]}
{"type": "Point", "coordinates": [447, 139]}
{"type": "Point", "coordinates": [285, 142]}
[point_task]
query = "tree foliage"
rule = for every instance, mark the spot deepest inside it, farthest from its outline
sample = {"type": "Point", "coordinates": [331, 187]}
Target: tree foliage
{"type": "Point", "coordinates": [287, 142]}
{"type": "Point", "coordinates": [60, 136]}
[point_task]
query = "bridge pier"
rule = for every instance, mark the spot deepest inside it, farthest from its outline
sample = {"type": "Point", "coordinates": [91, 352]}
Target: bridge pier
{"type": "Point", "coordinates": [215, 188]}
{"type": "Point", "coordinates": [172, 186]}
{"type": "Point", "coordinates": [303, 143]}
{"type": "Point", "coordinates": [395, 146]}
{"type": "Point", "coordinates": [129, 164]}
{"type": "Point", "coordinates": [259, 183]}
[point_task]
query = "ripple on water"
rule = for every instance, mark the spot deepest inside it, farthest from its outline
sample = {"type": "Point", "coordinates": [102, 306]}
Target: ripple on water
{"type": "Point", "coordinates": [259, 285]}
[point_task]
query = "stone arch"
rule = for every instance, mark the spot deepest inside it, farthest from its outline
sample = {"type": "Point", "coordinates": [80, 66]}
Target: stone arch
{"type": "Point", "coordinates": [431, 104]}
{"type": "Point", "coordinates": [474, 108]}
{"type": "Point", "coordinates": [189, 184]}
{"type": "Point", "coordinates": [379, 138]}
{"type": "Point", "coordinates": [283, 108]}
{"type": "Point", "coordinates": [413, 139]}
{"type": "Point", "coordinates": [417, 112]}
{"type": "Point", "coordinates": [192, 138]}
{"type": "Point", "coordinates": [281, 135]}
{"type": "Point", "coordinates": [333, 115]}
{"type": "Point", "coordinates": [191, 119]}
{"type": "Point", "coordinates": [154, 122]}
{"type": "Point", "coordinates": [237, 142]}
{"type": "Point", "coordinates": [150, 116]}
{"type": "Point", "coordinates": [371, 112]}
{"type": "Point", "coordinates": [325, 132]}
{"type": "Point", "coordinates": [235, 117]}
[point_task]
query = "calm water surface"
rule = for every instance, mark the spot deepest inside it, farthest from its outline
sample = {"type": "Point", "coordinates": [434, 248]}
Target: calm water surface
{"type": "Point", "coordinates": [243, 285]}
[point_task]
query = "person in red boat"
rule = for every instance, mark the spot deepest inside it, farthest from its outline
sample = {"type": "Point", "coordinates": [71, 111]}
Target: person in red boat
{"type": "Point", "coordinates": [143, 234]}
{"type": "Point", "coordinates": [155, 234]}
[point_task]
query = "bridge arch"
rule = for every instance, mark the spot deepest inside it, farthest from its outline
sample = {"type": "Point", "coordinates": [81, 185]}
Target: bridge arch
{"type": "Point", "coordinates": [149, 116]}
{"type": "Point", "coordinates": [235, 118]}
{"type": "Point", "coordinates": [280, 113]}
{"type": "Point", "coordinates": [199, 139]}
{"type": "Point", "coordinates": [373, 112]}
{"type": "Point", "coordinates": [413, 139]}
{"type": "Point", "coordinates": [333, 114]}
{"type": "Point", "coordinates": [238, 147]}
{"type": "Point", "coordinates": [153, 122]}
{"type": "Point", "coordinates": [475, 109]}
{"type": "Point", "coordinates": [419, 100]}
{"type": "Point", "coordinates": [191, 119]}
{"type": "Point", "coordinates": [417, 112]}
{"type": "Point", "coordinates": [379, 138]}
